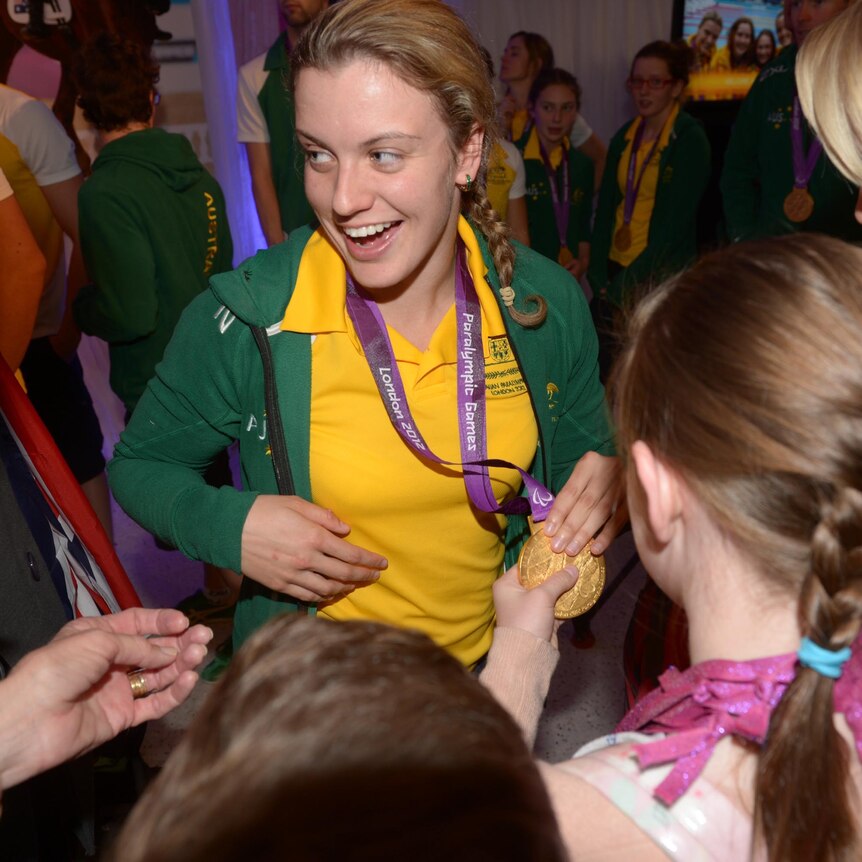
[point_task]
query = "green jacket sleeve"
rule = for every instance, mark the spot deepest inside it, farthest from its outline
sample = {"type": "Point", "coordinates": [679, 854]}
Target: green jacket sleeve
{"type": "Point", "coordinates": [120, 303]}
{"type": "Point", "coordinates": [580, 423]}
{"type": "Point", "coordinates": [609, 198]}
{"type": "Point", "coordinates": [740, 190]}
{"type": "Point", "coordinates": [586, 181]}
{"type": "Point", "coordinates": [672, 235]}
{"type": "Point", "coordinates": [189, 413]}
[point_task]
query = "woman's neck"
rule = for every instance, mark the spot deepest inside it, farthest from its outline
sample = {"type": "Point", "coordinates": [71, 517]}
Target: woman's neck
{"type": "Point", "coordinates": [415, 308]}
{"type": "Point", "coordinates": [653, 125]}
{"type": "Point", "coordinates": [550, 147]}
{"type": "Point", "coordinates": [105, 137]}
{"type": "Point", "coordinates": [734, 612]}
{"type": "Point", "coordinates": [520, 92]}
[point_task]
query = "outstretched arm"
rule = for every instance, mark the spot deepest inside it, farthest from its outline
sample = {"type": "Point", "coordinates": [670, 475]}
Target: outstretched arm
{"type": "Point", "coordinates": [524, 653]}
{"type": "Point", "coordinates": [74, 693]}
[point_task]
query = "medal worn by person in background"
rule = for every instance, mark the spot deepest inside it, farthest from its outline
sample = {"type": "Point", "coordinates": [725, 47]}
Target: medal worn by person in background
{"type": "Point", "coordinates": [623, 236]}
{"type": "Point", "coordinates": [799, 204]}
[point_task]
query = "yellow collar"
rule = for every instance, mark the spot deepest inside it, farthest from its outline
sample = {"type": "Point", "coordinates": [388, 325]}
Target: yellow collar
{"type": "Point", "coordinates": [665, 132]}
{"type": "Point", "coordinates": [532, 149]}
{"type": "Point", "coordinates": [318, 301]}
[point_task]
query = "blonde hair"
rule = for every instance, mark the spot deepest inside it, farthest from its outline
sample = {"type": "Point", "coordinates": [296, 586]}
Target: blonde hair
{"type": "Point", "coordinates": [429, 47]}
{"type": "Point", "coordinates": [830, 88]}
{"type": "Point", "coordinates": [745, 374]}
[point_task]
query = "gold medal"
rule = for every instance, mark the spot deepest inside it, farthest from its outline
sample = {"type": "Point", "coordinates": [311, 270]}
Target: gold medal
{"type": "Point", "coordinates": [623, 238]}
{"type": "Point", "coordinates": [537, 562]}
{"type": "Point", "coordinates": [799, 205]}
{"type": "Point", "coordinates": [565, 256]}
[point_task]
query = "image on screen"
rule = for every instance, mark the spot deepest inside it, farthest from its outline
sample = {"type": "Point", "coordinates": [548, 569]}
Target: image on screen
{"type": "Point", "coordinates": [745, 40]}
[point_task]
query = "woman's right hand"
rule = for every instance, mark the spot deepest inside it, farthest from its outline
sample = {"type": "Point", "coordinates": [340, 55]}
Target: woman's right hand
{"type": "Point", "coordinates": [297, 548]}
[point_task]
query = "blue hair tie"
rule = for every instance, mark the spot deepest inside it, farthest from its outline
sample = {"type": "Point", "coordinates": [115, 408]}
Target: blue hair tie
{"type": "Point", "coordinates": [826, 662]}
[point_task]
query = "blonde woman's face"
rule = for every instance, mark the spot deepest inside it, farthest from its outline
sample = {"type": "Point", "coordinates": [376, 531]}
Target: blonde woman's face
{"type": "Point", "coordinates": [380, 173]}
{"type": "Point", "coordinates": [515, 62]}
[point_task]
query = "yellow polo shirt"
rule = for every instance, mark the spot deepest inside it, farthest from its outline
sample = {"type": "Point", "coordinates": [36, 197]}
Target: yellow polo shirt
{"type": "Point", "coordinates": [645, 201]}
{"type": "Point", "coordinates": [443, 554]}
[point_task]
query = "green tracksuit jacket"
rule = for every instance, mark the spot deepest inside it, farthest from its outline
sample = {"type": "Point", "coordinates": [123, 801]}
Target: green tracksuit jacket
{"type": "Point", "coordinates": [758, 166]}
{"type": "Point", "coordinates": [153, 229]}
{"type": "Point", "coordinates": [544, 237]}
{"type": "Point", "coordinates": [209, 391]}
{"type": "Point", "coordinates": [287, 168]}
{"type": "Point", "coordinates": [684, 168]}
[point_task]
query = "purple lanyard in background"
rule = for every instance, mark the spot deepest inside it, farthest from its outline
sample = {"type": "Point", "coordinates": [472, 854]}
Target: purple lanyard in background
{"type": "Point", "coordinates": [560, 201]}
{"type": "Point", "coordinates": [472, 427]}
{"type": "Point", "coordinates": [633, 184]}
{"type": "Point", "coordinates": [803, 164]}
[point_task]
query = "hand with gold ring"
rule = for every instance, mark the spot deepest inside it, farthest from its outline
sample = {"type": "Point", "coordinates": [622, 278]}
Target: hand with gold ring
{"type": "Point", "coordinates": [97, 677]}
{"type": "Point", "coordinates": [138, 682]}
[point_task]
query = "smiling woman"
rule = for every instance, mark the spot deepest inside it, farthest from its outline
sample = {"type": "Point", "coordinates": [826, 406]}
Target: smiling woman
{"type": "Point", "coordinates": [398, 341]}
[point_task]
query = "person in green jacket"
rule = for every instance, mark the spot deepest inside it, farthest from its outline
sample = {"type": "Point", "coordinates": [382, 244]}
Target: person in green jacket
{"type": "Point", "coordinates": [559, 178]}
{"type": "Point", "coordinates": [152, 219]}
{"type": "Point", "coordinates": [264, 114]}
{"type": "Point", "coordinates": [153, 227]}
{"type": "Point", "coordinates": [343, 358]}
{"type": "Point", "coordinates": [658, 167]}
{"type": "Point", "coordinates": [776, 178]}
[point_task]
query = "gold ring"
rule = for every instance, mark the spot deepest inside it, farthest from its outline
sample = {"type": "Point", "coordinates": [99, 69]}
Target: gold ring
{"type": "Point", "coordinates": [138, 684]}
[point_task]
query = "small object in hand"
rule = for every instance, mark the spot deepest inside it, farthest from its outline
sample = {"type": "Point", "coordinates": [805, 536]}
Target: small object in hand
{"type": "Point", "coordinates": [538, 562]}
{"type": "Point", "coordinates": [138, 684]}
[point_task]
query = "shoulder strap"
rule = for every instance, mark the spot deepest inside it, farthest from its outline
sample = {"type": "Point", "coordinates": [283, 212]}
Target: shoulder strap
{"type": "Point", "coordinates": [280, 463]}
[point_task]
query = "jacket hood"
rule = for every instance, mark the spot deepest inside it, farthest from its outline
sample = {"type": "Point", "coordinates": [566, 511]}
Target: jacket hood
{"type": "Point", "coordinates": [169, 156]}
{"type": "Point", "coordinates": [258, 290]}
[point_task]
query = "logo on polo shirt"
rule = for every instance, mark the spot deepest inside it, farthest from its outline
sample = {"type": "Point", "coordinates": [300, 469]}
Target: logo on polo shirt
{"type": "Point", "coordinates": [502, 375]}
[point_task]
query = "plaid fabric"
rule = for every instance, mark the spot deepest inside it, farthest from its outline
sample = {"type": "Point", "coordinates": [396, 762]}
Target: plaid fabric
{"type": "Point", "coordinates": [657, 638]}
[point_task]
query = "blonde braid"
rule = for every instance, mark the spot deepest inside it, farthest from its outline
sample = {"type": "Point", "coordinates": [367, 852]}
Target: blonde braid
{"type": "Point", "coordinates": [496, 232]}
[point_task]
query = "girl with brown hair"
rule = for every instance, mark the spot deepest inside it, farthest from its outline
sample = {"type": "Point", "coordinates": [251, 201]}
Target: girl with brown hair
{"type": "Point", "coordinates": [365, 361]}
{"type": "Point", "coordinates": [738, 412]}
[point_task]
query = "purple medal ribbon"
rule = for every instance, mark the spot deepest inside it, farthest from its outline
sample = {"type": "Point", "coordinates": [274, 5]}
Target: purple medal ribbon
{"type": "Point", "coordinates": [560, 201]}
{"type": "Point", "coordinates": [374, 338]}
{"type": "Point", "coordinates": [803, 164]}
{"type": "Point", "coordinates": [633, 185]}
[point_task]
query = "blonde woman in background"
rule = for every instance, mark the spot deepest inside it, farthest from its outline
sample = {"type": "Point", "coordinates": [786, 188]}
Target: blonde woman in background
{"type": "Point", "coordinates": [830, 90]}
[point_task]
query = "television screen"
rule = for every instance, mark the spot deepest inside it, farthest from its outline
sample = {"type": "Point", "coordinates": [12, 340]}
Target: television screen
{"type": "Point", "coordinates": [730, 41]}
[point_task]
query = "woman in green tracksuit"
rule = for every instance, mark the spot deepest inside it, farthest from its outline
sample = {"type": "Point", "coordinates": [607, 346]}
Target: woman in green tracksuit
{"type": "Point", "coordinates": [657, 169]}
{"type": "Point", "coordinates": [559, 178]}
{"type": "Point", "coordinates": [343, 510]}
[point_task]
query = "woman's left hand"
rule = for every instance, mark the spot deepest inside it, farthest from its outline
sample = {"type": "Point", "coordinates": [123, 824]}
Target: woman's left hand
{"type": "Point", "coordinates": [591, 503]}
{"type": "Point", "coordinates": [74, 693]}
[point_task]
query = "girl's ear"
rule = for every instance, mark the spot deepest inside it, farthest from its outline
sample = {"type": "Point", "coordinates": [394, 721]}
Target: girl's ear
{"type": "Point", "coordinates": [661, 486]}
{"type": "Point", "coordinates": [470, 157]}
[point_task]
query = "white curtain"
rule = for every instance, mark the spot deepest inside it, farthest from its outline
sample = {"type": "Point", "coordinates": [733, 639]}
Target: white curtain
{"type": "Point", "coordinates": [218, 65]}
{"type": "Point", "coordinates": [593, 39]}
